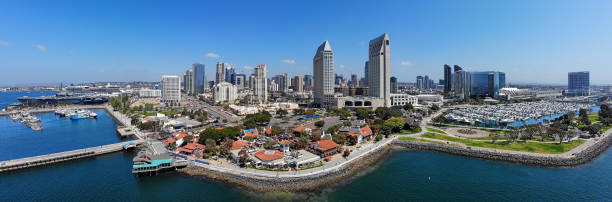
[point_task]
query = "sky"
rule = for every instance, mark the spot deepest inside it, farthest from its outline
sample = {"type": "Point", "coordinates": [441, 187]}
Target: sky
{"type": "Point", "coordinates": [47, 42]}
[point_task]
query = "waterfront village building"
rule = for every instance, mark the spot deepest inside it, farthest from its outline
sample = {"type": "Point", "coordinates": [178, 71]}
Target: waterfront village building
{"type": "Point", "coordinates": [149, 93]}
{"type": "Point", "coordinates": [362, 134]}
{"type": "Point", "coordinates": [578, 83]}
{"type": "Point", "coordinates": [171, 90]}
{"type": "Point", "coordinates": [323, 68]}
{"type": "Point", "coordinates": [224, 92]}
{"type": "Point", "coordinates": [324, 148]}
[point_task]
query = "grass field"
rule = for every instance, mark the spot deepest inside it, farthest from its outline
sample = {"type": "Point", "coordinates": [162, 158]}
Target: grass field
{"type": "Point", "coordinates": [435, 130]}
{"type": "Point", "coordinates": [593, 117]}
{"type": "Point", "coordinates": [407, 132]}
{"type": "Point", "coordinates": [418, 140]}
{"type": "Point", "coordinates": [536, 147]}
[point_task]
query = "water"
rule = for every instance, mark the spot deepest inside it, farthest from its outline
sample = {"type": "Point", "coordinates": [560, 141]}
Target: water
{"type": "Point", "coordinates": [10, 97]}
{"type": "Point", "coordinates": [404, 176]}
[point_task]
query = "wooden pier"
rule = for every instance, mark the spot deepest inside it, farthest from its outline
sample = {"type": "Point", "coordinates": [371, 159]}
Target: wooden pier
{"type": "Point", "coordinates": [46, 159]}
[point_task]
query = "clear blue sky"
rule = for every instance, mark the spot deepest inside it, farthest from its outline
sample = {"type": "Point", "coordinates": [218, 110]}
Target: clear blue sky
{"type": "Point", "coordinates": [81, 41]}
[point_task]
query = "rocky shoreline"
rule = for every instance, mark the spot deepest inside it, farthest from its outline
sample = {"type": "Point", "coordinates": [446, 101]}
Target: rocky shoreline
{"type": "Point", "coordinates": [344, 172]}
{"type": "Point", "coordinates": [574, 158]}
{"type": "Point", "coordinates": [292, 184]}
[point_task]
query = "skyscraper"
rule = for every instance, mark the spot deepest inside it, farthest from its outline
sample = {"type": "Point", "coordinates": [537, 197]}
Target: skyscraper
{"type": "Point", "coordinates": [239, 80]}
{"type": "Point", "coordinates": [393, 84]}
{"type": "Point", "coordinates": [378, 70]}
{"type": "Point", "coordinates": [308, 80]}
{"type": "Point", "coordinates": [365, 75]}
{"type": "Point", "coordinates": [220, 73]}
{"type": "Point", "coordinates": [426, 82]}
{"type": "Point", "coordinates": [171, 90]}
{"type": "Point", "coordinates": [447, 78]}
{"type": "Point", "coordinates": [198, 82]}
{"type": "Point", "coordinates": [260, 90]}
{"type": "Point", "coordinates": [188, 81]}
{"type": "Point", "coordinates": [298, 84]}
{"type": "Point", "coordinates": [578, 83]}
{"type": "Point", "coordinates": [419, 82]}
{"type": "Point", "coordinates": [229, 70]}
{"type": "Point", "coordinates": [323, 68]}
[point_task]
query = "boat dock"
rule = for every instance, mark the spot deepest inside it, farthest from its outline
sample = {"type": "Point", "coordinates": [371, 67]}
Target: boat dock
{"type": "Point", "coordinates": [46, 159]}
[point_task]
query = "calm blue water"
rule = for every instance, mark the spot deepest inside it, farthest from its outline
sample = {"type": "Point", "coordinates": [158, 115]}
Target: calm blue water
{"type": "Point", "coordinates": [8, 98]}
{"type": "Point", "coordinates": [58, 134]}
{"type": "Point", "coordinates": [404, 176]}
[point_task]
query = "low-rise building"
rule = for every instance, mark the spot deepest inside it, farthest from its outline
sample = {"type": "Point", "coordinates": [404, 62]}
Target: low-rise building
{"type": "Point", "coordinates": [149, 93]}
{"type": "Point", "coordinates": [403, 99]}
{"type": "Point", "coordinates": [324, 148]}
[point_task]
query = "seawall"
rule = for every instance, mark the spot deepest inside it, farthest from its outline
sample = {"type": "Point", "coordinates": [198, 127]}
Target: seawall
{"type": "Point", "coordinates": [549, 160]}
{"type": "Point", "coordinates": [292, 184]}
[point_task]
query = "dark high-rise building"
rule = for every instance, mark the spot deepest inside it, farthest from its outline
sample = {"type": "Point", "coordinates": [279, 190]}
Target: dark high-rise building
{"type": "Point", "coordinates": [441, 82]}
{"type": "Point", "coordinates": [365, 77]}
{"type": "Point", "coordinates": [307, 80]}
{"type": "Point", "coordinates": [457, 68]}
{"type": "Point", "coordinates": [198, 81]}
{"type": "Point", "coordinates": [578, 83]}
{"type": "Point", "coordinates": [447, 78]}
{"type": "Point", "coordinates": [338, 79]}
{"type": "Point", "coordinates": [393, 84]}
{"type": "Point", "coordinates": [419, 82]}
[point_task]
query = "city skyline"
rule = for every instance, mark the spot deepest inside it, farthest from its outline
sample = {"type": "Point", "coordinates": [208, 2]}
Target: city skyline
{"type": "Point", "coordinates": [548, 39]}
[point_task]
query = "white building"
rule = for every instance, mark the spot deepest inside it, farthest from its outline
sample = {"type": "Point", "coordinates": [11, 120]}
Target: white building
{"type": "Point", "coordinates": [378, 71]}
{"type": "Point", "coordinates": [403, 99]}
{"type": "Point", "coordinates": [171, 90]}
{"type": "Point", "coordinates": [324, 75]}
{"type": "Point", "coordinates": [220, 76]}
{"type": "Point", "coordinates": [260, 90]}
{"type": "Point", "coordinates": [149, 93]}
{"type": "Point", "coordinates": [225, 91]}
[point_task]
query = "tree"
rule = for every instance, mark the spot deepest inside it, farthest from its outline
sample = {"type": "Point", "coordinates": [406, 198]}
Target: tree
{"type": "Point", "coordinates": [386, 113]}
{"type": "Point", "coordinates": [319, 124]}
{"type": "Point", "coordinates": [493, 137]}
{"type": "Point", "coordinates": [408, 107]}
{"type": "Point", "coordinates": [339, 139]}
{"type": "Point", "coordinates": [298, 111]}
{"type": "Point", "coordinates": [562, 135]}
{"type": "Point", "coordinates": [395, 124]}
{"type": "Point", "coordinates": [188, 138]}
{"type": "Point", "coordinates": [282, 112]}
{"type": "Point", "coordinates": [269, 145]}
{"type": "Point", "coordinates": [513, 135]}
{"type": "Point", "coordinates": [434, 107]}
{"type": "Point", "coordinates": [227, 145]}
{"type": "Point", "coordinates": [362, 113]}
{"type": "Point", "coordinates": [210, 145]}
{"type": "Point", "coordinates": [347, 123]}
{"type": "Point", "coordinates": [352, 140]}
{"type": "Point", "coordinates": [346, 153]}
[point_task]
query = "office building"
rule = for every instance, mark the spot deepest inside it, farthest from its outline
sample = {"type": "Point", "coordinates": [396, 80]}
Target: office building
{"type": "Point", "coordinates": [403, 99]}
{"type": "Point", "coordinates": [188, 81]}
{"type": "Point", "coordinates": [365, 75]}
{"type": "Point", "coordinates": [479, 83]}
{"type": "Point", "coordinates": [419, 82]}
{"type": "Point", "coordinates": [298, 84]}
{"type": "Point", "coordinates": [308, 80]}
{"type": "Point", "coordinates": [379, 69]}
{"type": "Point", "coordinates": [393, 84]}
{"type": "Point", "coordinates": [198, 82]}
{"type": "Point", "coordinates": [149, 93]}
{"type": "Point", "coordinates": [323, 68]}
{"type": "Point", "coordinates": [578, 83]}
{"type": "Point", "coordinates": [224, 92]}
{"type": "Point", "coordinates": [447, 79]}
{"type": "Point", "coordinates": [229, 71]}
{"type": "Point", "coordinates": [239, 80]}
{"type": "Point", "coordinates": [338, 79]}
{"type": "Point", "coordinates": [220, 77]}
{"type": "Point", "coordinates": [171, 90]}
{"type": "Point", "coordinates": [260, 90]}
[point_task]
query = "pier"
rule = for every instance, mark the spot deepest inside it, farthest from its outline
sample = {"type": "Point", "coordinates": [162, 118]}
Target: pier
{"type": "Point", "coordinates": [47, 159]}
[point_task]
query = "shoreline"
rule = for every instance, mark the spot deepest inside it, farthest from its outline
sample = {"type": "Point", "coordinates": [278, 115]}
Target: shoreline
{"type": "Point", "coordinates": [341, 173]}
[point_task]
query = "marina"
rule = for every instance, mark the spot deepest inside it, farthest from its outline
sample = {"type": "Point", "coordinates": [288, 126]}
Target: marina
{"type": "Point", "coordinates": [516, 114]}
{"type": "Point", "coordinates": [27, 119]}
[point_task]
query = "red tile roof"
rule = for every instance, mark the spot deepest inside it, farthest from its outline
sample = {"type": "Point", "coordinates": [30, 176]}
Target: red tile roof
{"type": "Point", "coordinates": [325, 145]}
{"type": "Point", "coordinates": [269, 155]}
{"type": "Point", "coordinates": [365, 131]}
{"type": "Point", "coordinates": [239, 144]}
{"type": "Point", "coordinates": [185, 150]}
{"type": "Point", "coordinates": [312, 127]}
{"type": "Point", "coordinates": [299, 129]}
{"type": "Point", "coordinates": [193, 146]}
{"type": "Point", "coordinates": [252, 133]}
{"type": "Point", "coordinates": [268, 131]}
{"type": "Point", "coordinates": [284, 142]}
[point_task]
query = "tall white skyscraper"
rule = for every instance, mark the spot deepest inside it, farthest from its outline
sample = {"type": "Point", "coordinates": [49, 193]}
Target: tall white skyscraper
{"type": "Point", "coordinates": [323, 68]}
{"type": "Point", "coordinates": [220, 73]}
{"type": "Point", "coordinates": [224, 92]}
{"type": "Point", "coordinates": [260, 90]}
{"type": "Point", "coordinates": [379, 84]}
{"type": "Point", "coordinates": [171, 90]}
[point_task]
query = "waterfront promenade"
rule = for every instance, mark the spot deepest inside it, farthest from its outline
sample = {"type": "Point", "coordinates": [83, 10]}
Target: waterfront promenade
{"type": "Point", "coordinates": [46, 159]}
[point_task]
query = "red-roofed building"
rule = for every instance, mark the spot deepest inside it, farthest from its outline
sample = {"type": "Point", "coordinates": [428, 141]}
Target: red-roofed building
{"type": "Point", "coordinates": [284, 145]}
{"type": "Point", "coordinates": [363, 134]}
{"type": "Point", "coordinates": [304, 129]}
{"type": "Point", "coordinates": [191, 147]}
{"type": "Point", "coordinates": [324, 148]}
{"type": "Point", "coordinates": [251, 133]}
{"type": "Point", "coordinates": [239, 145]}
{"type": "Point", "coordinates": [268, 131]}
{"type": "Point", "coordinates": [269, 159]}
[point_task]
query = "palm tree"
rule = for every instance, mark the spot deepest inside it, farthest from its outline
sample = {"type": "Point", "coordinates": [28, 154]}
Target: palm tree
{"type": "Point", "coordinates": [493, 137]}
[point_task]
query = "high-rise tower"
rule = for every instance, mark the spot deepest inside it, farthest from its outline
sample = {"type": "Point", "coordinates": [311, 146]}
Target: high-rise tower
{"type": "Point", "coordinates": [378, 69]}
{"type": "Point", "coordinates": [323, 68]}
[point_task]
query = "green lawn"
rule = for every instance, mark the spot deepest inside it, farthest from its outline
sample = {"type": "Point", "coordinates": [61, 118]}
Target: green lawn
{"type": "Point", "coordinates": [435, 130]}
{"type": "Point", "coordinates": [407, 132]}
{"type": "Point", "coordinates": [535, 147]}
{"type": "Point", "coordinates": [418, 140]}
{"type": "Point", "coordinates": [593, 117]}
{"type": "Point", "coordinates": [315, 166]}
{"type": "Point", "coordinates": [489, 138]}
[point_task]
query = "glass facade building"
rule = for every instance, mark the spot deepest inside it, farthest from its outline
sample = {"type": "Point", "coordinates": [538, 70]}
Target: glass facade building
{"type": "Point", "coordinates": [485, 83]}
{"type": "Point", "coordinates": [198, 81]}
{"type": "Point", "coordinates": [578, 83]}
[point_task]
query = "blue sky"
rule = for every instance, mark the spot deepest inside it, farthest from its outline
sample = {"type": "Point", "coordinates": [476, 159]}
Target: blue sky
{"type": "Point", "coordinates": [82, 41]}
